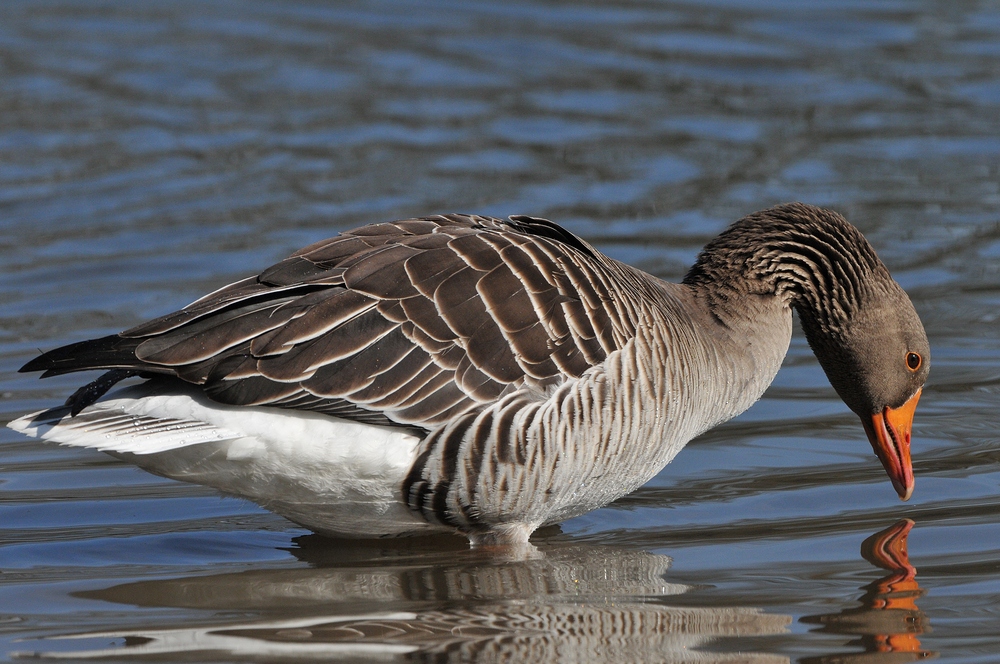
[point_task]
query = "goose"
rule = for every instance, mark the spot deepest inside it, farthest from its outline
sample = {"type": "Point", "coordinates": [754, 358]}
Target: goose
{"type": "Point", "coordinates": [487, 376]}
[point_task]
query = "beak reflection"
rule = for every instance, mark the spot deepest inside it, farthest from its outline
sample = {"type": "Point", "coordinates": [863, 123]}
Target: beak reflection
{"type": "Point", "coordinates": [888, 621]}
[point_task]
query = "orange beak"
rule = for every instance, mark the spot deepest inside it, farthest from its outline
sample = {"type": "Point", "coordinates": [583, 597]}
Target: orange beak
{"type": "Point", "coordinates": [889, 434]}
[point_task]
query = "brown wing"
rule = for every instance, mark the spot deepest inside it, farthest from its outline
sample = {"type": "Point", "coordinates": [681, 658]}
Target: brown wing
{"type": "Point", "coordinates": [413, 321]}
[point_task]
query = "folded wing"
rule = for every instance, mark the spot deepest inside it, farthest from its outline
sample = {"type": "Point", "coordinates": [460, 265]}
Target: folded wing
{"type": "Point", "coordinates": [408, 322]}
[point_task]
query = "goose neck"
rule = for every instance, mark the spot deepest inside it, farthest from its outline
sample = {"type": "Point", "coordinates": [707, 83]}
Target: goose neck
{"type": "Point", "coordinates": [811, 259]}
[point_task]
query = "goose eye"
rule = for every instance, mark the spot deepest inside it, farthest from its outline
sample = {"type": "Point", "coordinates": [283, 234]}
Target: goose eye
{"type": "Point", "coordinates": [913, 361]}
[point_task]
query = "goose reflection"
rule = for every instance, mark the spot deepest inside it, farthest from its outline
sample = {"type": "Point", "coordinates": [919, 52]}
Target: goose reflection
{"type": "Point", "coordinates": [888, 620]}
{"type": "Point", "coordinates": [570, 602]}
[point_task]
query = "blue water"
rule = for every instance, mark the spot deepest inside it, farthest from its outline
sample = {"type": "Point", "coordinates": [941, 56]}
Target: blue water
{"type": "Point", "coordinates": [152, 152]}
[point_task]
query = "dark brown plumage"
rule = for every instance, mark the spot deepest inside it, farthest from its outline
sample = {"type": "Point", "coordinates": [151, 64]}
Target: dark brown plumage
{"type": "Point", "coordinates": [415, 320]}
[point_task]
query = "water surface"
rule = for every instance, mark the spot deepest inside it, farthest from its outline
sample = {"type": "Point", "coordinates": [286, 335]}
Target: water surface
{"type": "Point", "coordinates": [152, 152]}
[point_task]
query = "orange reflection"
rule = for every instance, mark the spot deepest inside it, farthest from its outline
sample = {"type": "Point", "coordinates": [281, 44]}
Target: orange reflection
{"type": "Point", "coordinates": [888, 620]}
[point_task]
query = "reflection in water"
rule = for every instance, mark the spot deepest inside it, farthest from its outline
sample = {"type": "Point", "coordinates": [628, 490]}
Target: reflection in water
{"type": "Point", "coordinates": [572, 603]}
{"type": "Point", "coordinates": [888, 620]}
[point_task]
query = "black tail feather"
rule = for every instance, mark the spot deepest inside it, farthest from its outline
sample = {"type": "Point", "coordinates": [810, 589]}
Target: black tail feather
{"type": "Point", "coordinates": [111, 352]}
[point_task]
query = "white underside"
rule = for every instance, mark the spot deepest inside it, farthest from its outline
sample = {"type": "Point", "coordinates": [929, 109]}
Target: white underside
{"type": "Point", "coordinates": [334, 476]}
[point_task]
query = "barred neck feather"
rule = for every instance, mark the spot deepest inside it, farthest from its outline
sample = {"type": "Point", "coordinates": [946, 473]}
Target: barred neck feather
{"type": "Point", "coordinates": [814, 258]}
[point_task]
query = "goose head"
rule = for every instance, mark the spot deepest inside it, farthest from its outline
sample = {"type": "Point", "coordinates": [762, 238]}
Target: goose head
{"type": "Point", "coordinates": [878, 362]}
{"type": "Point", "coordinates": [859, 322]}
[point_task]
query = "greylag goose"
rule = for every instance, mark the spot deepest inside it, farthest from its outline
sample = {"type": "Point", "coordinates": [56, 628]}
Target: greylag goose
{"type": "Point", "coordinates": [488, 376]}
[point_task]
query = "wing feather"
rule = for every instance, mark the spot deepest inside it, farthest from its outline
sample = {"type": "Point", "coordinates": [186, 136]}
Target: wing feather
{"type": "Point", "coordinates": [410, 322]}
{"type": "Point", "coordinates": [209, 337]}
{"type": "Point", "coordinates": [302, 361]}
{"type": "Point", "coordinates": [434, 403]}
{"type": "Point", "coordinates": [329, 313]}
{"type": "Point", "coordinates": [406, 363]}
{"type": "Point", "coordinates": [381, 273]}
